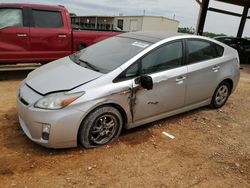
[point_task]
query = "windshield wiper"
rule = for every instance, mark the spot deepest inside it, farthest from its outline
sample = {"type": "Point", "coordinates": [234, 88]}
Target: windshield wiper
{"type": "Point", "coordinates": [89, 65]}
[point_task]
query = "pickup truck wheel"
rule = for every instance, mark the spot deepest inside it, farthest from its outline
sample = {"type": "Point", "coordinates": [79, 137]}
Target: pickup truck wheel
{"type": "Point", "coordinates": [100, 127]}
{"type": "Point", "coordinates": [221, 95]}
{"type": "Point", "coordinates": [81, 46]}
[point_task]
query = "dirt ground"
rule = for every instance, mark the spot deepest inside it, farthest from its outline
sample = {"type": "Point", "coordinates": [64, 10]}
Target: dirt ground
{"type": "Point", "coordinates": [211, 148]}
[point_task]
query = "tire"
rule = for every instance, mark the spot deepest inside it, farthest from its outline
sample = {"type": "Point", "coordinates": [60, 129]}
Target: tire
{"type": "Point", "coordinates": [81, 46]}
{"type": "Point", "coordinates": [221, 95]}
{"type": "Point", "coordinates": [100, 127]}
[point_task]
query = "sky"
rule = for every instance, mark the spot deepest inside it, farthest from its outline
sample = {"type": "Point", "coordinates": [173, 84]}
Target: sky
{"type": "Point", "coordinates": [185, 11]}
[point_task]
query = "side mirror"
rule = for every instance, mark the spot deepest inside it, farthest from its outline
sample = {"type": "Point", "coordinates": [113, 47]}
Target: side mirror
{"type": "Point", "coordinates": [146, 82]}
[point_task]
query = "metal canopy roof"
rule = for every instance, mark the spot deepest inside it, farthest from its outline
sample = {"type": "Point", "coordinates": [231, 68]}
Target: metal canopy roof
{"type": "Point", "coordinates": [204, 7]}
{"type": "Point", "coordinates": [245, 3]}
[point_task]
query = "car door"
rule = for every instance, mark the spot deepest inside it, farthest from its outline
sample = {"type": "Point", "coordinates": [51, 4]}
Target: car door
{"type": "Point", "coordinates": [14, 35]}
{"type": "Point", "coordinates": [165, 66]}
{"type": "Point", "coordinates": [203, 67]}
{"type": "Point", "coordinates": [49, 34]}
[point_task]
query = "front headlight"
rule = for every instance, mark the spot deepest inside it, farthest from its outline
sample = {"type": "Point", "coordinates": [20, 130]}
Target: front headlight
{"type": "Point", "coordinates": [57, 100]}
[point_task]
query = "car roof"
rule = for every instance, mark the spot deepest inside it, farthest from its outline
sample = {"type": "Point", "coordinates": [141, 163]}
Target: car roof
{"type": "Point", "coordinates": [56, 7]}
{"type": "Point", "coordinates": [151, 37]}
{"type": "Point", "coordinates": [233, 38]}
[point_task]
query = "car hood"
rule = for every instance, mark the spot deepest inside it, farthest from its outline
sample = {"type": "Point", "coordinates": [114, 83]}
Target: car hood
{"type": "Point", "coordinates": [60, 75]}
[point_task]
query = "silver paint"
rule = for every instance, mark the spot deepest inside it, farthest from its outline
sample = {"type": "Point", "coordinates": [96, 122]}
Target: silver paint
{"type": "Point", "coordinates": [175, 91]}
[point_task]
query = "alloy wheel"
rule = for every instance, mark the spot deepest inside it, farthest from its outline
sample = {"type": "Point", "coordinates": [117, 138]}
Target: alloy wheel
{"type": "Point", "coordinates": [103, 129]}
{"type": "Point", "coordinates": [222, 94]}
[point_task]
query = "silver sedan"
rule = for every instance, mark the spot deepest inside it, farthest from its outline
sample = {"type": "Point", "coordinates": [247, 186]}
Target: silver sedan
{"type": "Point", "coordinates": [123, 82]}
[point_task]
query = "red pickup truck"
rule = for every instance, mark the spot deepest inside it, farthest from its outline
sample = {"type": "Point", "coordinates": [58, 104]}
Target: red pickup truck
{"type": "Point", "coordinates": [40, 33]}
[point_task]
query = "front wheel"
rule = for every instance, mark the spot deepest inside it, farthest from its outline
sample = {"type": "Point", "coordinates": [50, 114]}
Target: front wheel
{"type": "Point", "coordinates": [100, 127]}
{"type": "Point", "coordinates": [221, 95]}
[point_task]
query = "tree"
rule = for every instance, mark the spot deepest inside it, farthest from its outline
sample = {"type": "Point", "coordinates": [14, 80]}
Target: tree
{"type": "Point", "coordinates": [212, 35]}
{"type": "Point", "coordinates": [72, 14]}
{"type": "Point", "coordinates": [189, 30]}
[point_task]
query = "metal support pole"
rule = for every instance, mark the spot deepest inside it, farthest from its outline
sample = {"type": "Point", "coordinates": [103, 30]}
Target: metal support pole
{"type": "Point", "coordinates": [202, 16]}
{"type": "Point", "coordinates": [242, 22]}
{"type": "Point", "coordinates": [96, 22]}
{"type": "Point", "coordinates": [198, 20]}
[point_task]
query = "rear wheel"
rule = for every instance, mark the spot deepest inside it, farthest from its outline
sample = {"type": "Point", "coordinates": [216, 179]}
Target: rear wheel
{"type": "Point", "coordinates": [221, 95]}
{"type": "Point", "coordinates": [81, 46]}
{"type": "Point", "coordinates": [100, 127]}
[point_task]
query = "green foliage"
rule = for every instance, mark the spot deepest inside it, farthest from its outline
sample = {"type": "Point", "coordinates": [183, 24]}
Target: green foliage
{"type": "Point", "coordinates": [191, 30]}
{"type": "Point", "coordinates": [72, 14]}
{"type": "Point", "coordinates": [212, 35]}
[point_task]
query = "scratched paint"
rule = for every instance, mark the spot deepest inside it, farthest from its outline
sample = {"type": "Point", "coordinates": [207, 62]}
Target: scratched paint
{"type": "Point", "coordinates": [160, 79]}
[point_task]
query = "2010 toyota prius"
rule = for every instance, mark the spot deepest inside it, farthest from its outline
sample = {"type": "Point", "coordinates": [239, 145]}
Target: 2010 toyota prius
{"type": "Point", "coordinates": [123, 82]}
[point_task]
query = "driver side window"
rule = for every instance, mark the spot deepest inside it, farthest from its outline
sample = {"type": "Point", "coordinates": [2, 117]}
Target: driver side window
{"type": "Point", "coordinates": [166, 57]}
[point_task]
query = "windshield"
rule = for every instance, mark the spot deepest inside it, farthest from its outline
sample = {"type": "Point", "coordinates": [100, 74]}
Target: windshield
{"type": "Point", "coordinates": [109, 54]}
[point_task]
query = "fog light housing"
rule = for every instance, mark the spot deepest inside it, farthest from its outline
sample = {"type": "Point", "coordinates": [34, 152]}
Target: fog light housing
{"type": "Point", "coordinates": [45, 131]}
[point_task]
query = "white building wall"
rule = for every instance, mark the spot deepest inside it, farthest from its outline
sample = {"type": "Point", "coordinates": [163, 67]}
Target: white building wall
{"type": "Point", "coordinates": [159, 24]}
{"type": "Point", "coordinates": [131, 23]}
{"type": "Point", "coordinates": [147, 23]}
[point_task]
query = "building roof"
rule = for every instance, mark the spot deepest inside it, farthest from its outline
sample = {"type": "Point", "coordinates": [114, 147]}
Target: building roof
{"type": "Point", "coordinates": [149, 36]}
{"type": "Point", "coordinates": [141, 16]}
{"type": "Point", "coordinates": [57, 7]}
{"type": "Point", "coordinates": [93, 16]}
{"type": "Point", "coordinates": [245, 3]}
{"type": "Point", "coordinates": [147, 16]}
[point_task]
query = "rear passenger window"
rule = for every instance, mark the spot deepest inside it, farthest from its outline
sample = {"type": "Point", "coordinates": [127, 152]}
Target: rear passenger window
{"type": "Point", "coordinates": [47, 19]}
{"type": "Point", "coordinates": [199, 50]}
{"type": "Point", "coordinates": [11, 17]}
{"type": "Point", "coordinates": [220, 50]}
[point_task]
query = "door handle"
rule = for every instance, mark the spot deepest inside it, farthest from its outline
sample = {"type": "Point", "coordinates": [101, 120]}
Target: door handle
{"type": "Point", "coordinates": [216, 68]}
{"type": "Point", "coordinates": [21, 35]}
{"type": "Point", "coordinates": [180, 79]}
{"type": "Point", "coordinates": [62, 36]}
